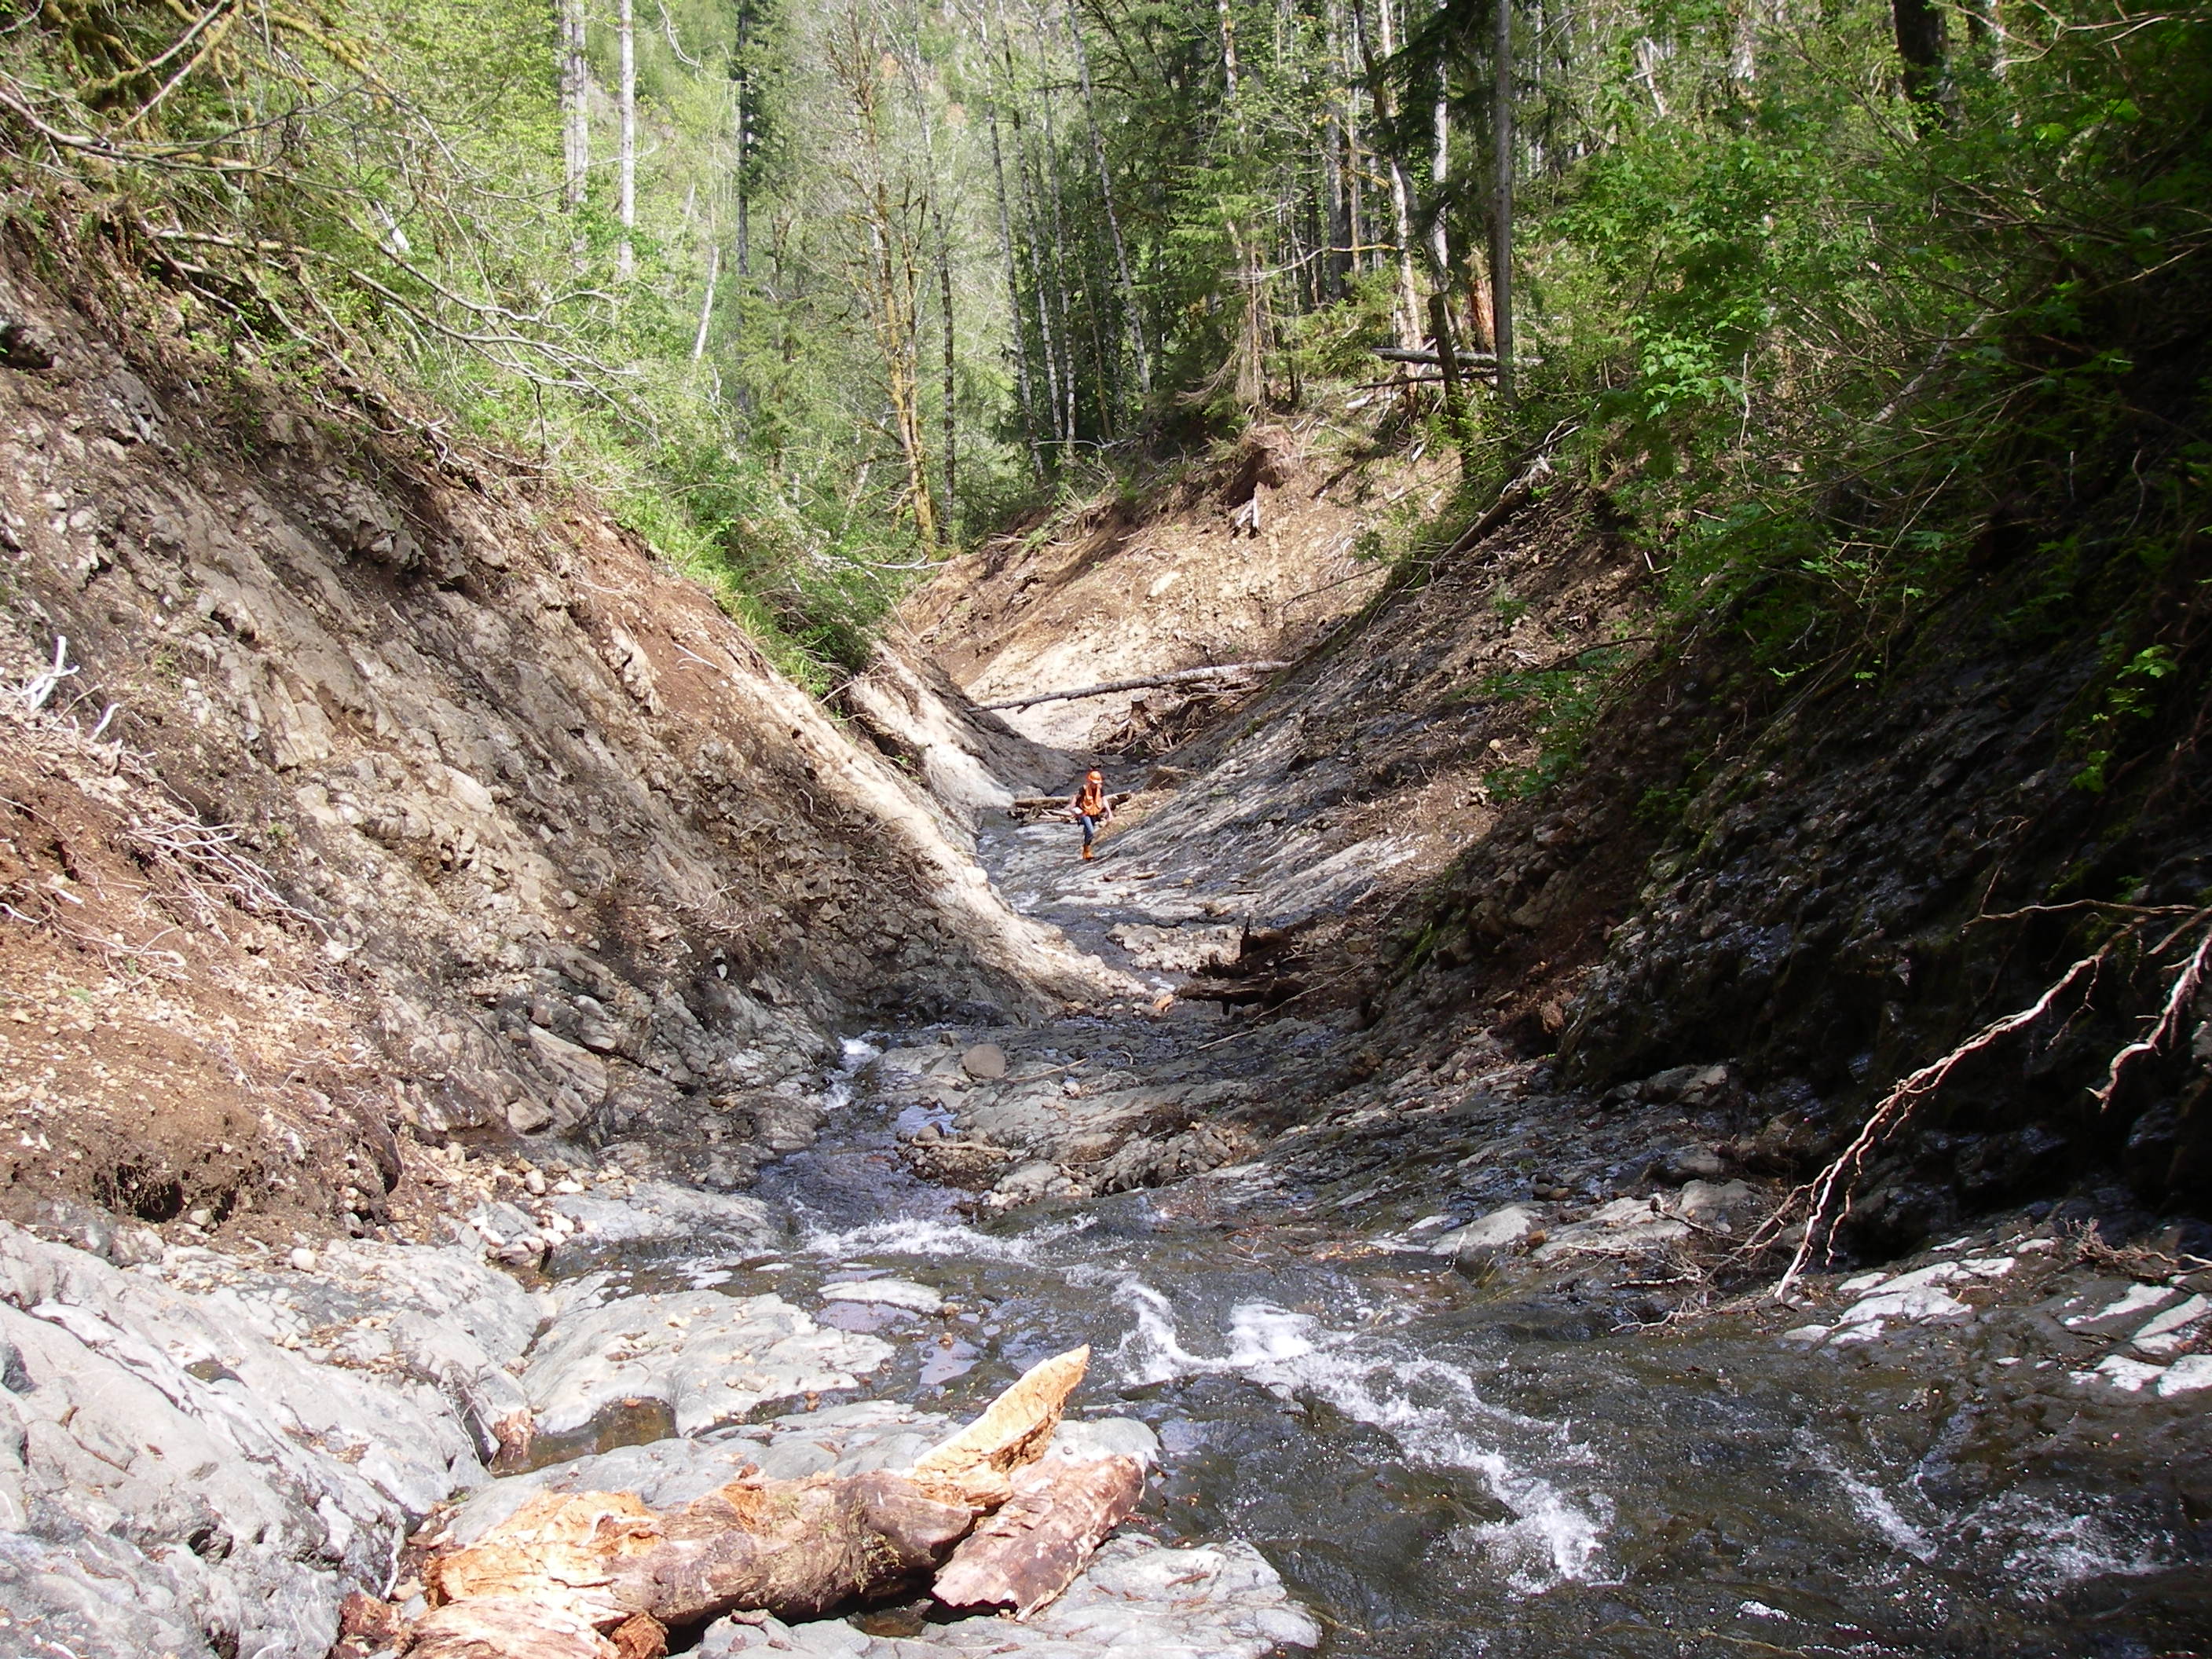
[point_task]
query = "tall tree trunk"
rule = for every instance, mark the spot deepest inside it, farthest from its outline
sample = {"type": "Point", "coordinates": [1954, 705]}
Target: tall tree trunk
{"type": "Point", "coordinates": [893, 269]}
{"type": "Point", "coordinates": [1401, 198]}
{"type": "Point", "coordinates": [1439, 176]}
{"type": "Point", "coordinates": [1355, 56]}
{"type": "Point", "coordinates": [1228, 47]}
{"type": "Point", "coordinates": [1113, 214]}
{"type": "Point", "coordinates": [1055, 193]}
{"type": "Point", "coordinates": [575, 122]}
{"type": "Point", "coordinates": [706, 306]}
{"type": "Point", "coordinates": [1022, 387]}
{"type": "Point", "coordinates": [1501, 207]}
{"type": "Point", "coordinates": [952, 384]}
{"type": "Point", "coordinates": [1040, 296]}
{"type": "Point", "coordinates": [626, 33]}
{"type": "Point", "coordinates": [1920, 46]}
{"type": "Point", "coordinates": [1333, 161]}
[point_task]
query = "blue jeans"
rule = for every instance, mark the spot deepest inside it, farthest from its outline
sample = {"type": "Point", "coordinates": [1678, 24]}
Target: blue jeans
{"type": "Point", "coordinates": [1090, 825]}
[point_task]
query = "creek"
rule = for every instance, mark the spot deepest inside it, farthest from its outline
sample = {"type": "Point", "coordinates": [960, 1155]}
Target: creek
{"type": "Point", "coordinates": [1440, 1464]}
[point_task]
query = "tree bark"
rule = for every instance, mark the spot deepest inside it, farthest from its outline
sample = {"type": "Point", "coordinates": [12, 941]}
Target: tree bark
{"type": "Point", "coordinates": [1031, 1551]}
{"type": "Point", "coordinates": [544, 1582]}
{"type": "Point", "coordinates": [626, 200]}
{"type": "Point", "coordinates": [893, 273]}
{"type": "Point", "coordinates": [952, 363]}
{"type": "Point", "coordinates": [1501, 206]}
{"type": "Point", "coordinates": [1439, 179]}
{"type": "Point", "coordinates": [1448, 361]}
{"type": "Point", "coordinates": [707, 304]}
{"type": "Point", "coordinates": [1918, 25]}
{"type": "Point", "coordinates": [1021, 388]}
{"type": "Point", "coordinates": [575, 123]}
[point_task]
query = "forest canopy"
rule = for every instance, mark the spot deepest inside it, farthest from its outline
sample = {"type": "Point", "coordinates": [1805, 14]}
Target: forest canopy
{"type": "Point", "coordinates": [817, 290]}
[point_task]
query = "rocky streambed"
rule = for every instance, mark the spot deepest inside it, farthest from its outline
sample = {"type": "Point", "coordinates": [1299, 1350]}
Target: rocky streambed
{"type": "Point", "coordinates": [1424, 1357]}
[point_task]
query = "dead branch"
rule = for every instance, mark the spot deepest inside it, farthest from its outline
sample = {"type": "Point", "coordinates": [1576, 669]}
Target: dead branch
{"type": "Point", "coordinates": [1184, 677]}
{"type": "Point", "coordinates": [208, 851]}
{"type": "Point", "coordinates": [2178, 998]}
{"type": "Point", "coordinates": [566, 1570]}
{"type": "Point", "coordinates": [1031, 1551]}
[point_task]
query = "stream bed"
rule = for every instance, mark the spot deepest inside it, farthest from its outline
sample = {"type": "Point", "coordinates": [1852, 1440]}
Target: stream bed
{"type": "Point", "coordinates": [1442, 1462]}
{"type": "Point", "coordinates": [1431, 1479]}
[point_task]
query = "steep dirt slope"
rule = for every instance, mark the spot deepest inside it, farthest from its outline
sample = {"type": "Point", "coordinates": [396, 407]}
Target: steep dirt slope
{"type": "Point", "coordinates": [384, 786]}
{"type": "Point", "coordinates": [1178, 578]}
{"type": "Point", "coordinates": [1798, 895]}
{"type": "Point", "coordinates": [1398, 743]}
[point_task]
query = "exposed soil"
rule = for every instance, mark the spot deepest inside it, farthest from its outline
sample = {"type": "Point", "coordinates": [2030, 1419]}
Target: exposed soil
{"type": "Point", "coordinates": [1175, 578]}
{"type": "Point", "coordinates": [390, 800]}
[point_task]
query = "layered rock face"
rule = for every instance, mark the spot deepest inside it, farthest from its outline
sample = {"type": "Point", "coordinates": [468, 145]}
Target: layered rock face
{"type": "Point", "coordinates": [419, 790]}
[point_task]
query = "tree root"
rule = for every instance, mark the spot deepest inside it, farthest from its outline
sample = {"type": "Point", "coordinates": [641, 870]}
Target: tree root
{"type": "Point", "coordinates": [1827, 1197]}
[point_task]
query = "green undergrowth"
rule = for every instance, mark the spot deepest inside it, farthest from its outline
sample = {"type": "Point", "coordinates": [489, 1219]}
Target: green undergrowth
{"type": "Point", "coordinates": [1865, 362]}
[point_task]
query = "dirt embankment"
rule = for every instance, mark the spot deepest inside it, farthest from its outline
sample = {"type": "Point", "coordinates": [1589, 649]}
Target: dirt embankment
{"type": "Point", "coordinates": [387, 796]}
{"type": "Point", "coordinates": [1246, 557]}
{"type": "Point", "coordinates": [1487, 816]}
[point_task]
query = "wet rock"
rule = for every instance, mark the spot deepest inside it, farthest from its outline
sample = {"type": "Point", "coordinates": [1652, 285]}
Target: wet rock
{"type": "Point", "coordinates": [2186, 1376]}
{"type": "Point", "coordinates": [658, 1218]}
{"type": "Point", "coordinates": [705, 1357]}
{"type": "Point", "coordinates": [985, 1060]}
{"type": "Point", "coordinates": [1025, 1184]}
{"type": "Point", "coordinates": [1481, 1242]}
{"type": "Point", "coordinates": [885, 1293]}
{"type": "Point", "coordinates": [2165, 1333]}
{"type": "Point", "coordinates": [1865, 1320]}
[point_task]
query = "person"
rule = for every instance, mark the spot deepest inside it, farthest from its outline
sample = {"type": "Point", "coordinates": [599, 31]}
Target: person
{"type": "Point", "coordinates": [1091, 806]}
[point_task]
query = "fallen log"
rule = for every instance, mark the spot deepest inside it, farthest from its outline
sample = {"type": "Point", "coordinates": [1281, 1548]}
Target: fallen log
{"type": "Point", "coordinates": [600, 1575]}
{"type": "Point", "coordinates": [794, 1548]}
{"type": "Point", "coordinates": [1031, 807]}
{"type": "Point", "coordinates": [1181, 676]}
{"type": "Point", "coordinates": [977, 1464]}
{"type": "Point", "coordinates": [1031, 1549]}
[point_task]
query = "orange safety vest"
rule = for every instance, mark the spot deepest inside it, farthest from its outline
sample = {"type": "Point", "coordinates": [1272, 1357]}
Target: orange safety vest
{"type": "Point", "coordinates": [1091, 800]}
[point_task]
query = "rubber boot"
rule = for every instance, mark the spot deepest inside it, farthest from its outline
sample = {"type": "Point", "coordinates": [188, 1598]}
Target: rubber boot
{"type": "Point", "coordinates": [1086, 854]}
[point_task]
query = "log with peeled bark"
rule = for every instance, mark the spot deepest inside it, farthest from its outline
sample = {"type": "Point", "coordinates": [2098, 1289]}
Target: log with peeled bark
{"type": "Point", "coordinates": [1031, 1549]}
{"type": "Point", "coordinates": [600, 1575]}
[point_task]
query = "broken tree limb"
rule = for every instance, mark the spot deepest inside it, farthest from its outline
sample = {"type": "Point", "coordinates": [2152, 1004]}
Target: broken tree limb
{"type": "Point", "coordinates": [794, 1548]}
{"type": "Point", "coordinates": [1031, 806]}
{"type": "Point", "coordinates": [1183, 676]}
{"type": "Point", "coordinates": [1031, 1551]}
{"type": "Point", "coordinates": [600, 1575]}
{"type": "Point", "coordinates": [978, 1463]}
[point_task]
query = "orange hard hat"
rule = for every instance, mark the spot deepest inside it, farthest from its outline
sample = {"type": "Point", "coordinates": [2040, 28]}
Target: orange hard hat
{"type": "Point", "coordinates": [1096, 773]}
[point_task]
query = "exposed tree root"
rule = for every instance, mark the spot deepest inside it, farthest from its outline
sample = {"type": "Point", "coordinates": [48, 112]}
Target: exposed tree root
{"type": "Point", "coordinates": [1827, 1197]}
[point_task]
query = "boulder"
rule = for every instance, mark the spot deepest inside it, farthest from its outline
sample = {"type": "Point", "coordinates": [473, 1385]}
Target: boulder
{"type": "Point", "coordinates": [1494, 1235]}
{"type": "Point", "coordinates": [706, 1357]}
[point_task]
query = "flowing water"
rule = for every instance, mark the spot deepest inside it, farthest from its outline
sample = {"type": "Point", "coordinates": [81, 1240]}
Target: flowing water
{"type": "Point", "coordinates": [1437, 1472]}
{"type": "Point", "coordinates": [1433, 1480]}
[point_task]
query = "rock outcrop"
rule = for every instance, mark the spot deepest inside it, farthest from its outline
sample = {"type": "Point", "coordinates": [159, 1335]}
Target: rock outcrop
{"type": "Point", "coordinates": [425, 790]}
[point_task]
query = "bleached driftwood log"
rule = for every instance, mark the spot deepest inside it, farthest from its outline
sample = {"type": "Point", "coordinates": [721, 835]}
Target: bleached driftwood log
{"type": "Point", "coordinates": [1031, 1549]}
{"type": "Point", "coordinates": [600, 1575]}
